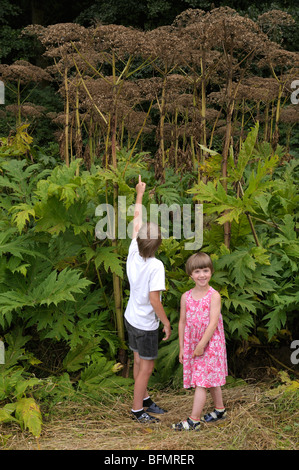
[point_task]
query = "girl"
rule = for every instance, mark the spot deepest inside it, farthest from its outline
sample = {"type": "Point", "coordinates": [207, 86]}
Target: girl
{"type": "Point", "coordinates": [202, 342]}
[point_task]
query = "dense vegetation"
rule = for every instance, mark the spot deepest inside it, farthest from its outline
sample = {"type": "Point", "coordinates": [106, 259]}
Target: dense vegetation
{"type": "Point", "coordinates": [202, 110]}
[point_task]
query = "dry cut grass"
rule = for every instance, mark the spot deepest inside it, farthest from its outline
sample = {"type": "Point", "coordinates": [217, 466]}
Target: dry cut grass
{"type": "Point", "coordinates": [256, 421]}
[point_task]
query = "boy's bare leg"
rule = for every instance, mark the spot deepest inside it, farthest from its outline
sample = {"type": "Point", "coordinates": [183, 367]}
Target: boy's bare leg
{"type": "Point", "coordinates": [136, 369]}
{"type": "Point", "coordinates": [142, 371]}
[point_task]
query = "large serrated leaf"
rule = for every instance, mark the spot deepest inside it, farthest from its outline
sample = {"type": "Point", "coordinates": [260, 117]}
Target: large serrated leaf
{"type": "Point", "coordinates": [59, 287]}
{"type": "Point", "coordinates": [28, 413]}
{"type": "Point", "coordinates": [110, 259]}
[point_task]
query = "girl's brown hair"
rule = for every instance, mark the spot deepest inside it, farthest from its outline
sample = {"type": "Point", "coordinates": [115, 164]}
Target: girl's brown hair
{"type": "Point", "coordinates": [148, 240]}
{"type": "Point", "coordinates": [199, 260]}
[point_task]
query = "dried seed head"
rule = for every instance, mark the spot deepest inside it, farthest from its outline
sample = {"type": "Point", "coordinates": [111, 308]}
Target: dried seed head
{"type": "Point", "coordinates": [23, 72]}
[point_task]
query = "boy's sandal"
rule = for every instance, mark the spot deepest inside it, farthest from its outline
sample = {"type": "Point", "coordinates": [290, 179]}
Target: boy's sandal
{"type": "Point", "coordinates": [145, 418]}
{"type": "Point", "coordinates": [188, 425]}
{"type": "Point", "coordinates": [154, 408]}
{"type": "Point", "coordinates": [214, 416]}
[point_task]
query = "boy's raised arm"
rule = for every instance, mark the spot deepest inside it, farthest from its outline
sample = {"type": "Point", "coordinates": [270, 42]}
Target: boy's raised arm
{"type": "Point", "coordinates": [137, 221]}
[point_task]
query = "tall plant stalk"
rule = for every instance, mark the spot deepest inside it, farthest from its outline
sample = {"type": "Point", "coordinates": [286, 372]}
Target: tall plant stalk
{"type": "Point", "coordinates": [67, 118]}
{"type": "Point", "coordinates": [162, 109]}
{"type": "Point", "coordinates": [203, 102]}
{"type": "Point", "coordinates": [228, 130]}
{"type": "Point", "coordinates": [117, 284]}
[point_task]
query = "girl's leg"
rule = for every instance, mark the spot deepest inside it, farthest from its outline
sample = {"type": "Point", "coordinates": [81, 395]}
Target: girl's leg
{"type": "Point", "coordinates": [219, 411]}
{"type": "Point", "coordinates": [216, 393]}
{"type": "Point", "coordinates": [199, 401]}
{"type": "Point", "coordinates": [142, 371]}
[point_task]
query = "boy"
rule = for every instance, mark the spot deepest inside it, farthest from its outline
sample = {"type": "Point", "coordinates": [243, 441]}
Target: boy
{"type": "Point", "coordinates": [144, 310]}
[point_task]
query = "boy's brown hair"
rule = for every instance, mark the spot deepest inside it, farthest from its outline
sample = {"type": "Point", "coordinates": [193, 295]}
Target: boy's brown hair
{"type": "Point", "coordinates": [199, 260]}
{"type": "Point", "coordinates": [148, 240]}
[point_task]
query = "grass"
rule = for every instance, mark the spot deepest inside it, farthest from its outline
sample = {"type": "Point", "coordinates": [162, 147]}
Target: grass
{"type": "Point", "coordinates": [260, 417]}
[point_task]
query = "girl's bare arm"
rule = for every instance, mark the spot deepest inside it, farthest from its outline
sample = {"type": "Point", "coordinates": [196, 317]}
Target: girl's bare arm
{"type": "Point", "coordinates": [182, 324]}
{"type": "Point", "coordinates": [215, 310]}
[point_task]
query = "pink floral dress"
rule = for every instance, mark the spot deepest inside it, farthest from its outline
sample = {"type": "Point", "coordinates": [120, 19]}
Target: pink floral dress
{"type": "Point", "coordinates": [210, 369]}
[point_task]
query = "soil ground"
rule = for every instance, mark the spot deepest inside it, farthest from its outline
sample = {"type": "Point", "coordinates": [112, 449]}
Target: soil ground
{"type": "Point", "coordinates": [256, 420]}
{"type": "Point", "coordinates": [262, 408]}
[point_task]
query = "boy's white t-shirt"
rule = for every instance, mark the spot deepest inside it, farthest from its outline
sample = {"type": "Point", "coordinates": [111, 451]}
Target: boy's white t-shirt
{"type": "Point", "coordinates": [144, 276]}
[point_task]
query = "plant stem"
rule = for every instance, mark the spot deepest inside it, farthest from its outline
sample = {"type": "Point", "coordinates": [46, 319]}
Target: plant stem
{"type": "Point", "coordinates": [67, 117]}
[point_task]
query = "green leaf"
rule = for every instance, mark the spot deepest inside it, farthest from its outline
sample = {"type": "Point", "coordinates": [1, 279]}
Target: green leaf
{"type": "Point", "coordinates": [263, 201]}
{"type": "Point", "coordinates": [21, 215]}
{"type": "Point", "coordinates": [22, 386]}
{"type": "Point", "coordinates": [282, 303]}
{"type": "Point", "coordinates": [15, 351]}
{"type": "Point", "coordinates": [15, 265]}
{"type": "Point", "coordinates": [277, 319]}
{"type": "Point", "coordinates": [13, 300]}
{"type": "Point", "coordinates": [288, 229]}
{"type": "Point", "coordinates": [241, 265]}
{"type": "Point", "coordinates": [110, 259]}
{"type": "Point", "coordinates": [168, 193]}
{"type": "Point", "coordinates": [55, 288]}
{"type": "Point", "coordinates": [100, 376]}
{"type": "Point", "coordinates": [261, 255]}
{"type": "Point", "coordinates": [51, 217]}
{"type": "Point", "coordinates": [6, 413]}
{"type": "Point", "coordinates": [60, 326]}
{"type": "Point", "coordinates": [18, 246]}
{"type": "Point", "coordinates": [243, 302]}
{"type": "Point", "coordinates": [76, 358]}
{"type": "Point", "coordinates": [168, 356]}
{"type": "Point", "coordinates": [245, 154]}
{"type": "Point", "coordinates": [242, 323]}
{"type": "Point", "coordinates": [28, 412]}
{"type": "Point", "coordinates": [59, 287]}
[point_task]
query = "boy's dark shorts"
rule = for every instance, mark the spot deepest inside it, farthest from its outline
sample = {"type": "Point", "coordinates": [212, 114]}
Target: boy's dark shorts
{"type": "Point", "coordinates": [142, 341]}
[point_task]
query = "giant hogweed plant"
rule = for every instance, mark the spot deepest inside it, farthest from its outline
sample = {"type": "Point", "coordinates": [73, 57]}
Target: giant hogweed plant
{"type": "Point", "coordinates": [56, 277]}
{"type": "Point", "coordinates": [261, 204]}
{"type": "Point", "coordinates": [54, 228]}
{"type": "Point", "coordinates": [50, 215]}
{"type": "Point", "coordinates": [258, 275]}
